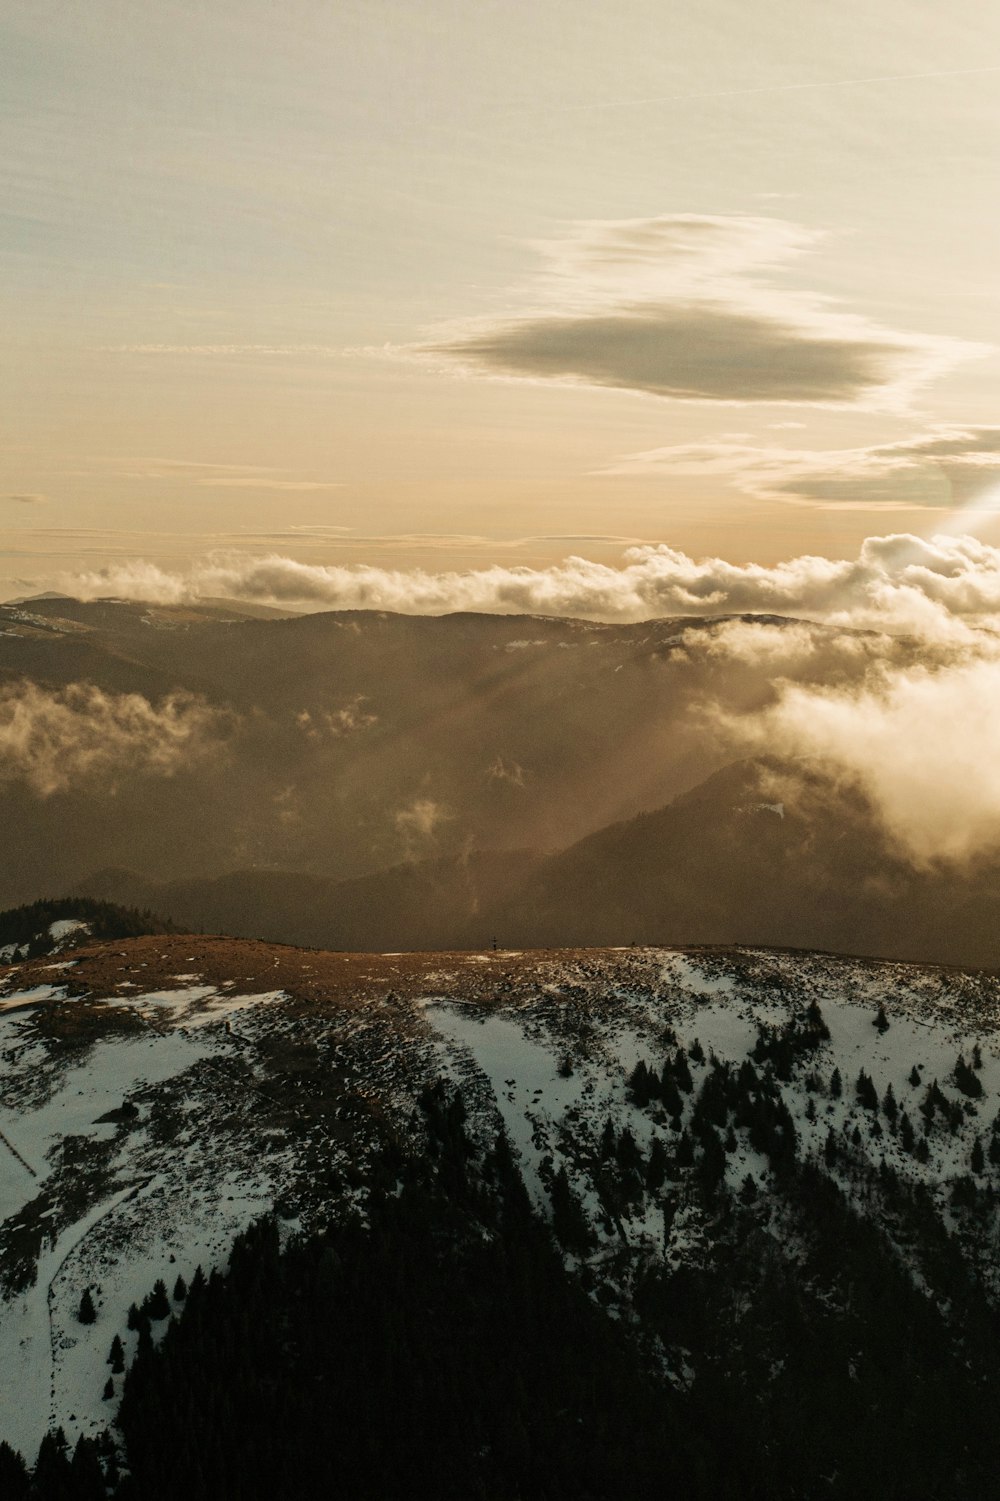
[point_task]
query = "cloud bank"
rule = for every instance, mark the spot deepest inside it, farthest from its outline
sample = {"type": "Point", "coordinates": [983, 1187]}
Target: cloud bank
{"type": "Point", "coordinates": [938, 587]}
{"type": "Point", "coordinates": [686, 306]}
{"type": "Point", "coordinates": [56, 741]}
{"type": "Point", "coordinates": [922, 744]}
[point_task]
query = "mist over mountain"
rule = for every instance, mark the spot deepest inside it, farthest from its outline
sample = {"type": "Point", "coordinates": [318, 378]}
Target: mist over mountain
{"type": "Point", "coordinates": [368, 781]}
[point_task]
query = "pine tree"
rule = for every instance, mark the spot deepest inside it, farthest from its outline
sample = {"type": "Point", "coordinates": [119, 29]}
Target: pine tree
{"type": "Point", "coordinates": [157, 1305]}
{"type": "Point", "coordinates": [13, 1474]}
{"type": "Point", "coordinates": [866, 1092]}
{"type": "Point", "coordinates": [922, 1151]}
{"type": "Point", "coordinates": [915, 1077]}
{"type": "Point", "coordinates": [830, 1149]}
{"type": "Point", "coordinates": [109, 1389]}
{"type": "Point", "coordinates": [607, 1142]}
{"type": "Point", "coordinates": [881, 1022]}
{"type": "Point", "coordinates": [656, 1167]}
{"type": "Point", "coordinates": [180, 1289]}
{"type": "Point", "coordinates": [811, 1109]}
{"type": "Point", "coordinates": [696, 1052]}
{"type": "Point", "coordinates": [685, 1151]}
{"type": "Point", "coordinates": [906, 1136]}
{"type": "Point", "coordinates": [994, 1151]}
{"type": "Point", "coordinates": [134, 1320]}
{"type": "Point", "coordinates": [978, 1159]}
{"type": "Point", "coordinates": [836, 1085]}
{"type": "Point", "coordinates": [977, 1057]}
{"type": "Point", "coordinates": [748, 1190]}
{"type": "Point", "coordinates": [86, 1313]}
{"type": "Point", "coordinates": [966, 1079]}
{"type": "Point", "coordinates": [889, 1105]}
{"type": "Point", "coordinates": [116, 1356]}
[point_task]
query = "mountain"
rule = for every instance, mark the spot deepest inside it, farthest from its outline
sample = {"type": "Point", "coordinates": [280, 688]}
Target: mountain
{"type": "Point", "coordinates": [761, 851]}
{"type": "Point", "coordinates": [737, 1208]}
{"type": "Point", "coordinates": [183, 742]}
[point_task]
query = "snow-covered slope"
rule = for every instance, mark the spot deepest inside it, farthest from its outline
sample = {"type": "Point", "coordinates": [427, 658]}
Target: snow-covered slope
{"type": "Point", "coordinates": [159, 1094]}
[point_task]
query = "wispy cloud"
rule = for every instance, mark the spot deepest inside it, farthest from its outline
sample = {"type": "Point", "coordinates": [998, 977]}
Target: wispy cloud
{"type": "Point", "coordinates": [28, 498]}
{"type": "Point", "coordinates": [688, 307]}
{"type": "Point", "coordinates": [938, 469]}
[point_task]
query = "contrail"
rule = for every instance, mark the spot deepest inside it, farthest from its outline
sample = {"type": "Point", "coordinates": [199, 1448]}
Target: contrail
{"type": "Point", "coordinates": [786, 88]}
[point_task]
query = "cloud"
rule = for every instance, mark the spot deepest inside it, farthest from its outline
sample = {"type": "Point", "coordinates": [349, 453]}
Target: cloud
{"type": "Point", "coordinates": [684, 306]}
{"type": "Point", "coordinates": [56, 741]}
{"type": "Point", "coordinates": [417, 822]}
{"type": "Point", "coordinates": [941, 587]}
{"type": "Point", "coordinates": [28, 498]}
{"type": "Point", "coordinates": [939, 470]}
{"type": "Point", "coordinates": [923, 744]}
{"type": "Point", "coordinates": [333, 724]}
{"type": "Point", "coordinates": [511, 772]}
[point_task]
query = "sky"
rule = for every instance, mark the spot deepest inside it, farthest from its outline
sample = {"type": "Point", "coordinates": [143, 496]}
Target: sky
{"type": "Point", "coordinates": [465, 287]}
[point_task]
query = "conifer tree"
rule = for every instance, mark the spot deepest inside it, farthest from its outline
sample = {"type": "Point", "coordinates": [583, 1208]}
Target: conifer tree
{"type": "Point", "coordinates": [86, 1313]}
{"type": "Point", "coordinates": [978, 1159]}
{"type": "Point", "coordinates": [889, 1105]}
{"type": "Point", "coordinates": [134, 1320]}
{"type": "Point", "coordinates": [915, 1077]}
{"type": "Point", "coordinates": [116, 1356]}
{"type": "Point", "coordinates": [977, 1057]}
{"type": "Point", "coordinates": [13, 1474]}
{"type": "Point", "coordinates": [906, 1136]}
{"type": "Point", "coordinates": [696, 1052]}
{"type": "Point", "coordinates": [109, 1389]}
{"type": "Point", "coordinates": [836, 1085]}
{"type": "Point", "coordinates": [157, 1305]}
{"type": "Point", "coordinates": [180, 1289]}
{"type": "Point", "coordinates": [922, 1151]}
{"type": "Point", "coordinates": [881, 1022]}
{"type": "Point", "coordinates": [748, 1189]}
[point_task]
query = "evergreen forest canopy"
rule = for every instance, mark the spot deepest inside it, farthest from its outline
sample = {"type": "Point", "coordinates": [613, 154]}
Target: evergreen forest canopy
{"type": "Point", "coordinates": [442, 1344]}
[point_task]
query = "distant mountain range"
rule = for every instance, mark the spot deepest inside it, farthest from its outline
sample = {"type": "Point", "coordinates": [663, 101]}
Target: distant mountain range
{"type": "Point", "coordinates": [369, 781]}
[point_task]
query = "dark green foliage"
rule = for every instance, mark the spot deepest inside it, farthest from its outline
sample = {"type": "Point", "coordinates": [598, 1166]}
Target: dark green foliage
{"type": "Point", "coordinates": [180, 1289]}
{"type": "Point", "coordinates": [978, 1159]}
{"type": "Point", "coordinates": [922, 1151]}
{"type": "Point", "coordinates": [915, 1077]}
{"type": "Point", "coordinates": [977, 1057]}
{"type": "Point", "coordinates": [889, 1106]}
{"type": "Point", "coordinates": [13, 1474]}
{"type": "Point", "coordinates": [681, 1072]}
{"type": "Point", "coordinates": [881, 1022]}
{"type": "Point", "coordinates": [656, 1166]}
{"type": "Point", "coordinates": [371, 1363]}
{"type": "Point", "coordinates": [836, 1085]}
{"type": "Point", "coordinates": [569, 1222]}
{"type": "Point", "coordinates": [748, 1190]}
{"type": "Point", "coordinates": [86, 1313]}
{"type": "Point", "coordinates": [109, 1389]}
{"type": "Point", "coordinates": [30, 924]}
{"type": "Point", "coordinates": [784, 1046]}
{"type": "Point", "coordinates": [116, 1356]}
{"type": "Point", "coordinates": [866, 1092]}
{"type": "Point", "coordinates": [696, 1052]}
{"type": "Point", "coordinates": [966, 1079]}
{"type": "Point", "coordinates": [906, 1137]}
{"type": "Point", "coordinates": [134, 1319]}
{"type": "Point", "coordinates": [157, 1304]}
{"type": "Point", "coordinates": [685, 1151]}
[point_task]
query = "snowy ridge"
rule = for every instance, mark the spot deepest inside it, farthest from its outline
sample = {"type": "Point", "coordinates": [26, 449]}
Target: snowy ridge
{"type": "Point", "coordinates": [166, 1092]}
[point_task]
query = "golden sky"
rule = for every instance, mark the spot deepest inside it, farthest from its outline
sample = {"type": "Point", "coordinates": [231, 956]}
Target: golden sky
{"type": "Point", "coordinates": [448, 285]}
